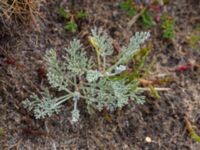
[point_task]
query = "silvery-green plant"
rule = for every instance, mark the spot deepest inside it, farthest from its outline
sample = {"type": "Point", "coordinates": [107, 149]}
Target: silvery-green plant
{"type": "Point", "coordinates": [79, 78]}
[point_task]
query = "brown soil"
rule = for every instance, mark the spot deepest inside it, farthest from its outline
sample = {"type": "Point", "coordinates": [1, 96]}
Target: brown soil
{"type": "Point", "coordinates": [22, 71]}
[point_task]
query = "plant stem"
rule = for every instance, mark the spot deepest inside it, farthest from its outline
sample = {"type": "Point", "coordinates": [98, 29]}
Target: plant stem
{"type": "Point", "coordinates": [68, 91]}
{"type": "Point", "coordinates": [104, 64]}
{"type": "Point", "coordinates": [75, 83]}
{"type": "Point", "coordinates": [157, 89]}
{"type": "Point", "coordinates": [75, 104]}
{"type": "Point", "coordinates": [99, 61]}
{"type": "Point", "coordinates": [63, 99]}
{"type": "Point", "coordinates": [113, 66]}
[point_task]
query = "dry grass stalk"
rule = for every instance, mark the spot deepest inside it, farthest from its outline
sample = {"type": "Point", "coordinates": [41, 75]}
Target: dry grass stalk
{"type": "Point", "coordinates": [19, 11]}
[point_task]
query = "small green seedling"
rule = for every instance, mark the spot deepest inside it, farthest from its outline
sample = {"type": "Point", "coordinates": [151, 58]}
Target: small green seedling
{"type": "Point", "coordinates": [194, 42]}
{"type": "Point", "coordinates": [71, 19]}
{"type": "Point", "coordinates": [194, 39]}
{"type": "Point", "coordinates": [147, 19]}
{"type": "Point", "coordinates": [128, 7]}
{"type": "Point", "coordinates": [71, 26]}
{"type": "Point", "coordinates": [81, 78]}
{"type": "Point", "coordinates": [63, 13]}
{"type": "Point", "coordinates": [168, 25]}
{"type": "Point", "coordinates": [81, 14]}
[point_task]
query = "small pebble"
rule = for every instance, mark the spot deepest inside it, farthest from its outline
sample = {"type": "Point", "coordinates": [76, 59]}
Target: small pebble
{"type": "Point", "coordinates": [148, 139]}
{"type": "Point", "coordinates": [125, 146]}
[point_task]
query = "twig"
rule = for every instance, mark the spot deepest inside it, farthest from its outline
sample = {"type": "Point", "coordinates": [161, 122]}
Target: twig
{"type": "Point", "coordinates": [157, 89]}
{"type": "Point", "coordinates": [135, 18]}
{"type": "Point", "coordinates": [126, 32]}
{"type": "Point", "coordinates": [15, 145]}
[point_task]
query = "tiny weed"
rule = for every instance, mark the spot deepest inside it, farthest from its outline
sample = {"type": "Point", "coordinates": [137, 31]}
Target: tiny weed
{"type": "Point", "coordinates": [140, 60]}
{"type": "Point", "coordinates": [71, 19]}
{"type": "Point", "coordinates": [193, 42]}
{"type": "Point", "coordinates": [63, 13]}
{"type": "Point", "coordinates": [128, 7]}
{"type": "Point", "coordinates": [71, 26]}
{"type": "Point", "coordinates": [81, 14]}
{"type": "Point", "coordinates": [168, 24]}
{"type": "Point", "coordinates": [147, 19]}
